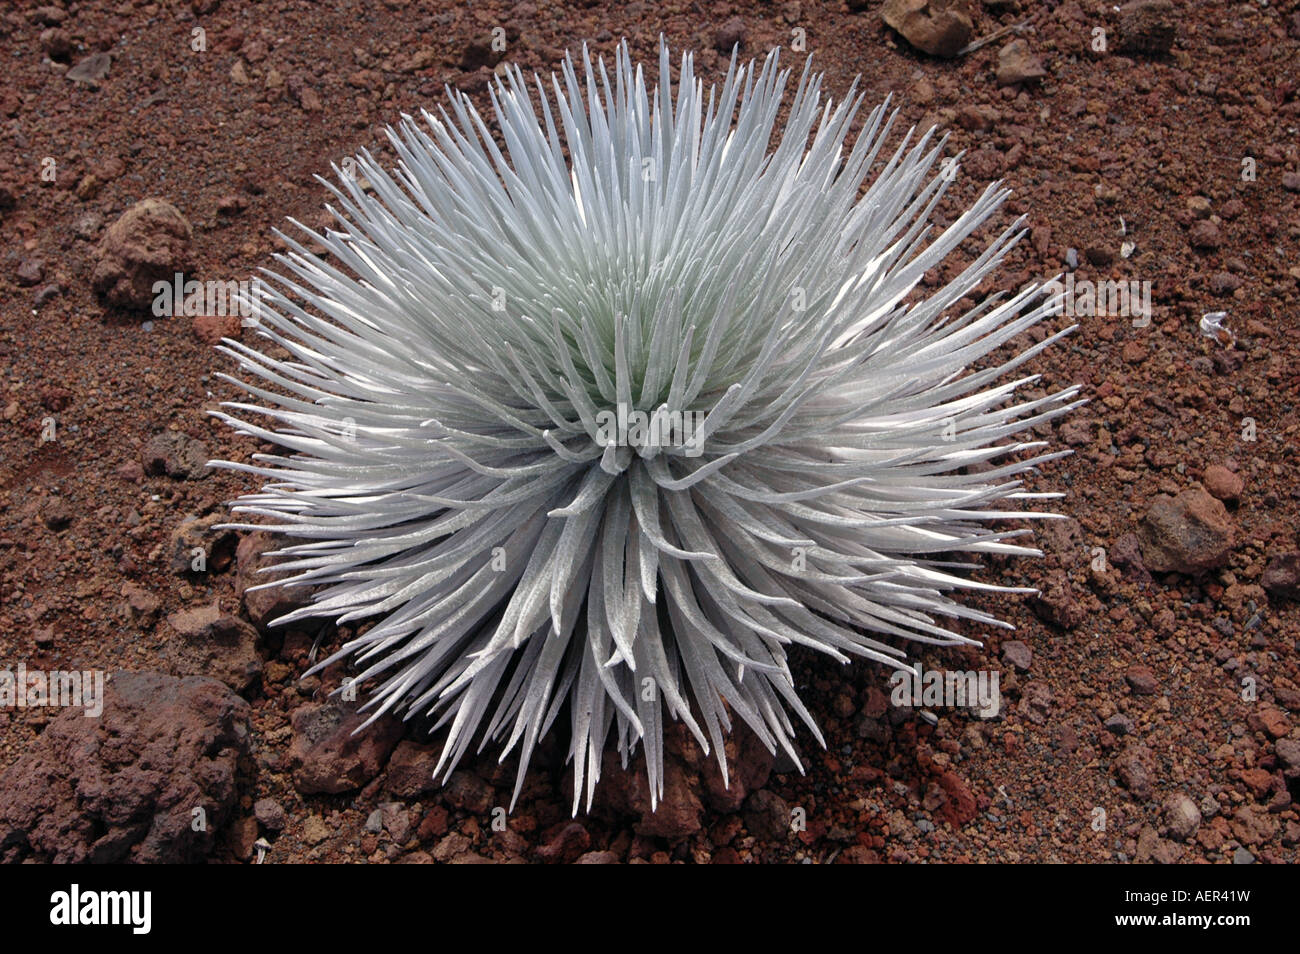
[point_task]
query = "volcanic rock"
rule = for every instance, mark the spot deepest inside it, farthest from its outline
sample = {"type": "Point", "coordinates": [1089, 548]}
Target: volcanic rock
{"type": "Point", "coordinates": [1057, 604]}
{"type": "Point", "coordinates": [1147, 26]}
{"type": "Point", "coordinates": [767, 815]}
{"type": "Point", "coordinates": [1017, 64]}
{"type": "Point", "coordinates": [176, 455]}
{"type": "Point", "coordinates": [150, 781]}
{"type": "Point", "coordinates": [1282, 576]}
{"type": "Point", "coordinates": [1017, 654]}
{"type": "Point", "coordinates": [149, 243]}
{"type": "Point", "coordinates": [91, 69]}
{"type": "Point", "coordinates": [210, 642]}
{"type": "Point", "coordinates": [564, 843]}
{"type": "Point", "coordinates": [938, 27]}
{"type": "Point", "coordinates": [1182, 816]}
{"type": "Point", "coordinates": [201, 534]}
{"type": "Point", "coordinates": [729, 35]}
{"type": "Point", "coordinates": [1222, 483]}
{"type": "Point", "coordinates": [1188, 534]}
{"type": "Point", "coordinates": [327, 757]}
{"type": "Point", "coordinates": [270, 814]}
{"type": "Point", "coordinates": [1136, 771]}
{"type": "Point", "coordinates": [263, 606]}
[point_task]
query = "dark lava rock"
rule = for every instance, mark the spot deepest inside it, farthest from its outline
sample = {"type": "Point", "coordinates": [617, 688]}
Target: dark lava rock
{"type": "Point", "coordinates": [730, 35]}
{"type": "Point", "coordinates": [767, 815]}
{"type": "Point", "coordinates": [1282, 576]}
{"type": "Point", "coordinates": [1147, 26]}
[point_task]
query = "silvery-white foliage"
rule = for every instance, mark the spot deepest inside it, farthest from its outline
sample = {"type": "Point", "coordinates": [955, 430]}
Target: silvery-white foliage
{"type": "Point", "coordinates": [490, 306]}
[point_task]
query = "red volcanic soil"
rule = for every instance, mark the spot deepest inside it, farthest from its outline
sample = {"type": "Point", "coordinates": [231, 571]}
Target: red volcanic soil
{"type": "Point", "coordinates": [1150, 694]}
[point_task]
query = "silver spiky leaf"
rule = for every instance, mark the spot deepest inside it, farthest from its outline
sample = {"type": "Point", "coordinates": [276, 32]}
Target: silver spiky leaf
{"type": "Point", "coordinates": [453, 374]}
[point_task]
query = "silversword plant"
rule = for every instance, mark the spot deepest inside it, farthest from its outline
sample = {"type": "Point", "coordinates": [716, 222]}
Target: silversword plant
{"type": "Point", "coordinates": [612, 251]}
